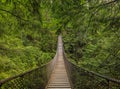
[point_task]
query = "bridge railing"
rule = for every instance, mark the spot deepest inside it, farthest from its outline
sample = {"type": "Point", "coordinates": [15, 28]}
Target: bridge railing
{"type": "Point", "coordinates": [84, 79]}
{"type": "Point", "coordinates": [34, 79]}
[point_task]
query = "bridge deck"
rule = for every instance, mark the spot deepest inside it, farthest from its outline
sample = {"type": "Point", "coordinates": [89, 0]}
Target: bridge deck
{"type": "Point", "coordinates": [59, 78]}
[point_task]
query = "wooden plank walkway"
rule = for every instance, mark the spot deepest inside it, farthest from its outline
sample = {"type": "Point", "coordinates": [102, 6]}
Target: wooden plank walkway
{"type": "Point", "coordinates": [59, 78]}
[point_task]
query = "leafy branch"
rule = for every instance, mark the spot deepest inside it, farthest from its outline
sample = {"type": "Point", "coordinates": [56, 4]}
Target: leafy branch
{"type": "Point", "coordinates": [14, 15]}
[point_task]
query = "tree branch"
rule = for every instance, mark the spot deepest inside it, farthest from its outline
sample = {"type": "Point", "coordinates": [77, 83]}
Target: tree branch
{"type": "Point", "coordinates": [13, 15]}
{"type": "Point", "coordinates": [104, 4]}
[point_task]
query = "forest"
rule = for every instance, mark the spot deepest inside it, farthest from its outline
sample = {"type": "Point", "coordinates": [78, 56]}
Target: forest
{"type": "Point", "coordinates": [90, 31]}
{"type": "Point", "coordinates": [27, 40]}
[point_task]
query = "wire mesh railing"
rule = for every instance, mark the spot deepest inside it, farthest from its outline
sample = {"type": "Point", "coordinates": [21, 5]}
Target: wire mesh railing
{"type": "Point", "coordinates": [80, 78]}
{"type": "Point", "coordinates": [84, 79]}
{"type": "Point", "coordinates": [33, 79]}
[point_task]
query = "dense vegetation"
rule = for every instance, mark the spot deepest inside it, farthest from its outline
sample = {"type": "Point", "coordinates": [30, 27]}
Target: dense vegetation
{"type": "Point", "coordinates": [26, 40]}
{"type": "Point", "coordinates": [90, 30]}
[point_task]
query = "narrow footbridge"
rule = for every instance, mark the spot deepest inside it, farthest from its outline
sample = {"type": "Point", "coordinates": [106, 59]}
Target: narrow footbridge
{"type": "Point", "coordinates": [59, 73]}
{"type": "Point", "coordinates": [59, 78]}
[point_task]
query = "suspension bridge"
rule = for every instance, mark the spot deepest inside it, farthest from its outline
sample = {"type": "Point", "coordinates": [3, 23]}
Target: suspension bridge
{"type": "Point", "coordinates": [59, 73]}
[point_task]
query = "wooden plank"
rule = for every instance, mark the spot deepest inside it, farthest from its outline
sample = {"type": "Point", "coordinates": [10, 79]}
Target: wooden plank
{"type": "Point", "coordinates": [59, 78]}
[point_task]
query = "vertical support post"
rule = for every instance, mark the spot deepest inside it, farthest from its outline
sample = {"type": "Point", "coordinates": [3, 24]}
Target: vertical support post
{"type": "Point", "coordinates": [0, 85]}
{"type": "Point", "coordinates": [108, 84]}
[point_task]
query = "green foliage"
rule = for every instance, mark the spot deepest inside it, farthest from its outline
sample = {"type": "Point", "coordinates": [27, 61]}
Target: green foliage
{"type": "Point", "coordinates": [91, 33]}
{"type": "Point", "coordinates": [26, 40]}
{"type": "Point", "coordinates": [90, 30]}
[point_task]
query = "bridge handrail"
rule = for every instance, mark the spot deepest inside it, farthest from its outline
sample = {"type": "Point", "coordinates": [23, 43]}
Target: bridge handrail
{"type": "Point", "coordinates": [97, 74]}
{"type": "Point", "coordinates": [48, 67]}
{"type": "Point", "coordinates": [22, 74]}
{"type": "Point", "coordinates": [16, 76]}
{"type": "Point", "coordinates": [116, 82]}
{"type": "Point", "coordinates": [68, 63]}
{"type": "Point", "coordinates": [103, 76]}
